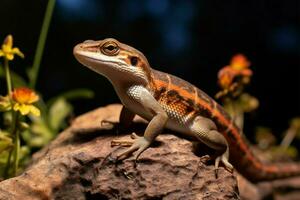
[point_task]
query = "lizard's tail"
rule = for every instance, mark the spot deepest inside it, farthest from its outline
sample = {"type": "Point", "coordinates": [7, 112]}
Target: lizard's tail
{"type": "Point", "coordinates": [282, 170]}
{"type": "Point", "coordinates": [244, 160]}
{"type": "Point", "coordinates": [242, 157]}
{"type": "Point", "coordinates": [266, 172]}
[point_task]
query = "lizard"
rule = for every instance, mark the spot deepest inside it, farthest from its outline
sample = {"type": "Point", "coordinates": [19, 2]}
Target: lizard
{"type": "Point", "coordinates": [167, 101]}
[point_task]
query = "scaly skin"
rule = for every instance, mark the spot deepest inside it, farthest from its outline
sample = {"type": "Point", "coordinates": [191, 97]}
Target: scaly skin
{"type": "Point", "coordinates": [168, 101]}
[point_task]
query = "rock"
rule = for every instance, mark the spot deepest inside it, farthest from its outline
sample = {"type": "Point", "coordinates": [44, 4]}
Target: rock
{"type": "Point", "coordinates": [79, 164]}
{"type": "Point", "coordinates": [287, 189]}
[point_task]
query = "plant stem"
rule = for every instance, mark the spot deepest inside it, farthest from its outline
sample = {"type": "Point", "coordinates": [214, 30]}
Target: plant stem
{"type": "Point", "coordinates": [16, 147]}
{"type": "Point", "coordinates": [9, 91]}
{"type": "Point", "coordinates": [233, 108]}
{"type": "Point", "coordinates": [288, 138]}
{"type": "Point", "coordinates": [41, 44]}
{"type": "Point", "coordinates": [7, 165]}
{"type": "Point", "coordinates": [16, 144]}
{"type": "Point", "coordinates": [8, 79]}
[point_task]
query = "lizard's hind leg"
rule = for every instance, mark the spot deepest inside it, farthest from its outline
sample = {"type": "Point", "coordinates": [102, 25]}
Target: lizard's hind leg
{"type": "Point", "coordinates": [206, 131]}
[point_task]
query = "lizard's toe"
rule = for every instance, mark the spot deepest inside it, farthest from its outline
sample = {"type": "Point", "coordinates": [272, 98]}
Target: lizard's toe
{"type": "Point", "coordinates": [139, 144]}
{"type": "Point", "coordinates": [134, 136]}
{"type": "Point", "coordinates": [225, 162]}
{"type": "Point", "coordinates": [143, 144]}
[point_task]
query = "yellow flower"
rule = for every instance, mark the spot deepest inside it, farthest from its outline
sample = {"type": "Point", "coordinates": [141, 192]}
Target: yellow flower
{"type": "Point", "coordinates": [23, 99]}
{"type": "Point", "coordinates": [8, 51]}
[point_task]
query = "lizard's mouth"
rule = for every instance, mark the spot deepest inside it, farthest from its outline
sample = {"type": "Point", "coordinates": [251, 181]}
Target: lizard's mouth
{"type": "Point", "coordinates": [99, 63]}
{"type": "Point", "coordinates": [83, 58]}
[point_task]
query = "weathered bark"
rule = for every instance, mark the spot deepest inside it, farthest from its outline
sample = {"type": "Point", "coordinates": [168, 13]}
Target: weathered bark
{"type": "Point", "coordinates": [78, 164]}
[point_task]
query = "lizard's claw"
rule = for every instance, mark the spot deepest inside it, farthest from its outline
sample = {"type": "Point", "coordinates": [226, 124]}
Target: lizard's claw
{"type": "Point", "coordinates": [139, 144]}
{"type": "Point", "coordinates": [226, 163]}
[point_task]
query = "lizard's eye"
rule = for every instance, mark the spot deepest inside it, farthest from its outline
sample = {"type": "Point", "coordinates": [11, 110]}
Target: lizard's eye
{"type": "Point", "coordinates": [110, 48]}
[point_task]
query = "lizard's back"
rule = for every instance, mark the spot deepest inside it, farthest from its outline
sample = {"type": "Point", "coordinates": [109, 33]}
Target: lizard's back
{"type": "Point", "coordinates": [184, 101]}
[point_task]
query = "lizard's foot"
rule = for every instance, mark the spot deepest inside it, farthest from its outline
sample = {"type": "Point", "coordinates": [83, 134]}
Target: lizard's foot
{"type": "Point", "coordinates": [139, 144]}
{"type": "Point", "coordinates": [223, 158]}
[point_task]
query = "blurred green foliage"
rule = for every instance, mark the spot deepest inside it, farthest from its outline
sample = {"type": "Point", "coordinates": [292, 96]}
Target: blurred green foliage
{"type": "Point", "coordinates": [34, 131]}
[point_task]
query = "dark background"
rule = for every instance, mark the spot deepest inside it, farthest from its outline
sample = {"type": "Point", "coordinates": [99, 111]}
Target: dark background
{"type": "Point", "coordinates": [190, 39]}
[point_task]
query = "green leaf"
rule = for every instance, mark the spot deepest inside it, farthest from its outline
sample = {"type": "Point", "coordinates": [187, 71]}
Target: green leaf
{"type": "Point", "coordinates": [58, 112]}
{"type": "Point", "coordinates": [3, 160]}
{"type": "Point", "coordinates": [264, 137]}
{"type": "Point", "coordinates": [5, 104]}
{"type": "Point", "coordinates": [38, 135]}
{"type": "Point", "coordinates": [292, 151]}
{"type": "Point", "coordinates": [30, 73]}
{"type": "Point", "coordinates": [16, 79]}
{"type": "Point", "coordinates": [2, 74]}
{"type": "Point", "coordinates": [24, 154]}
{"type": "Point", "coordinates": [43, 107]}
{"type": "Point", "coordinates": [248, 103]}
{"type": "Point", "coordinates": [281, 154]}
{"type": "Point", "coordinates": [5, 142]}
{"type": "Point", "coordinates": [295, 122]}
{"type": "Point", "coordinates": [80, 93]}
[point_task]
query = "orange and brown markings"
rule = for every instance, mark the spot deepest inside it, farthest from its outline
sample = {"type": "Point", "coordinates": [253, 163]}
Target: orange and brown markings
{"type": "Point", "coordinates": [174, 91]}
{"type": "Point", "coordinates": [184, 99]}
{"type": "Point", "coordinates": [181, 97]}
{"type": "Point", "coordinates": [171, 89]}
{"type": "Point", "coordinates": [175, 105]}
{"type": "Point", "coordinates": [187, 100]}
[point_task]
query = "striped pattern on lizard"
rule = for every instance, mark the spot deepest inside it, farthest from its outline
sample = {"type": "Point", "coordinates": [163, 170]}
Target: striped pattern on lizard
{"type": "Point", "coordinates": [167, 101]}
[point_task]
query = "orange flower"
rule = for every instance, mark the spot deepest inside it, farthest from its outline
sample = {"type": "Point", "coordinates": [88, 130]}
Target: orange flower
{"type": "Point", "coordinates": [239, 62]}
{"type": "Point", "coordinates": [238, 68]}
{"type": "Point", "coordinates": [225, 77]}
{"type": "Point", "coordinates": [234, 76]}
{"type": "Point", "coordinates": [23, 99]}
{"type": "Point", "coordinates": [24, 95]}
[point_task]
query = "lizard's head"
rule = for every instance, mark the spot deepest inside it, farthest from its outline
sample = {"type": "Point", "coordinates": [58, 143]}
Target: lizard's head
{"type": "Point", "coordinates": [114, 60]}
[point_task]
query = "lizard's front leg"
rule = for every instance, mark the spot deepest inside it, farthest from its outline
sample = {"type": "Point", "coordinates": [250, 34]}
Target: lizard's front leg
{"type": "Point", "coordinates": [155, 126]}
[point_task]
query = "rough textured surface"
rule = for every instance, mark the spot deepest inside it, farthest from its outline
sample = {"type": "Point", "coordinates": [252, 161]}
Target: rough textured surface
{"type": "Point", "coordinates": [78, 165]}
{"type": "Point", "coordinates": [287, 189]}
